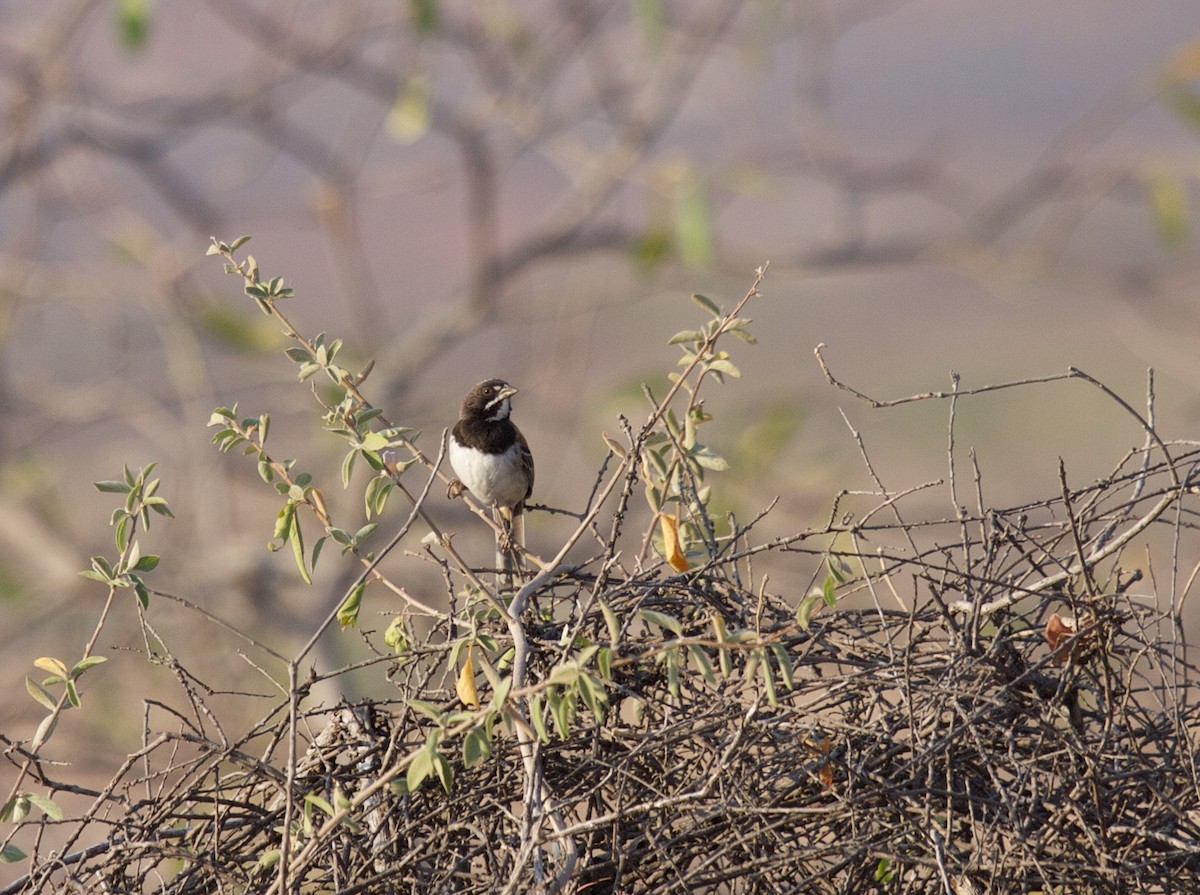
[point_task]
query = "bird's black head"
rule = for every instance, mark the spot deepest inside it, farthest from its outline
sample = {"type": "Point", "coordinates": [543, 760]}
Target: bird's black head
{"type": "Point", "coordinates": [490, 400]}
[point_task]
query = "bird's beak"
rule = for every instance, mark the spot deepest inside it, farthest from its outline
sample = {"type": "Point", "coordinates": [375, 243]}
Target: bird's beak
{"type": "Point", "coordinates": [507, 392]}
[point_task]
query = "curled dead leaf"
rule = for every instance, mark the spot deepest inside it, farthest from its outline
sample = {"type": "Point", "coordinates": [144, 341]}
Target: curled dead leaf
{"type": "Point", "coordinates": [1065, 638]}
{"type": "Point", "coordinates": [615, 446]}
{"type": "Point", "coordinates": [818, 746]}
{"type": "Point", "coordinates": [465, 685]}
{"type": "Point", "coordinates": [671, 549]}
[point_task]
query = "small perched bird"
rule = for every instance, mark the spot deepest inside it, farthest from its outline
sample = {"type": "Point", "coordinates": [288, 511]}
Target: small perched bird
{"type": "Point", "coordinates": [491, 458]}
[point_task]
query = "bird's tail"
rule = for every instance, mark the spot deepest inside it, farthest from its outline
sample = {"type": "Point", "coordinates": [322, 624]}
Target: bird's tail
{"type": "Point", "coordinates": [509, 543]}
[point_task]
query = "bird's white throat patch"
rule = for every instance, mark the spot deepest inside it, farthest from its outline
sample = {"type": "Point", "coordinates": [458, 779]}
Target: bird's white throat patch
{"type": "Point", "coordinates": [500, 409]}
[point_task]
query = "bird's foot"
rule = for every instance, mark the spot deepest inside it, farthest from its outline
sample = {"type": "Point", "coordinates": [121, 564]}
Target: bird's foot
{"type": "Point", "coordinates": [504, 541]}
{"type": "Point", "coordinates": [455, 489]}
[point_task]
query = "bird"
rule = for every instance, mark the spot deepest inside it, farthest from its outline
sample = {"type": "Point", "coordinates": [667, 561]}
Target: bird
{"type": "Point", "coordinates": [492, 460]}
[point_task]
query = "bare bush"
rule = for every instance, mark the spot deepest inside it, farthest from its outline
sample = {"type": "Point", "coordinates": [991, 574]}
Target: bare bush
{"type": "Point", "coordinates": [998, 701]}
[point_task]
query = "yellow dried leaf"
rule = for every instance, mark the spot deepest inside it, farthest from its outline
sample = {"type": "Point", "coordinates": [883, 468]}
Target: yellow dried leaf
{"type": "Point", "coordinates": [613, 445]}
{"type": "Point", "coordinates": [318, 501]}
{"type": "Point", "coordinates": [671, 550]}
{"type": "Point", "coordinates": [465, 685]}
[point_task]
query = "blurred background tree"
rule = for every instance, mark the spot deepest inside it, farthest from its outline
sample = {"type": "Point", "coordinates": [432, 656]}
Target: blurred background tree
{"type": "Point", "coordinates": [468, 189]}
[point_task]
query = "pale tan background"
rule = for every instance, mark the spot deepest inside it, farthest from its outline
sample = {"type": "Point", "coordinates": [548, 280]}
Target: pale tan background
{"type": "Point", "coordinates": [940, 185]}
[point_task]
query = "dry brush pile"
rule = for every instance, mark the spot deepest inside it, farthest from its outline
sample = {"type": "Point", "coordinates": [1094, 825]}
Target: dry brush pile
{"type": "Point", "coordinates": [996, 702]}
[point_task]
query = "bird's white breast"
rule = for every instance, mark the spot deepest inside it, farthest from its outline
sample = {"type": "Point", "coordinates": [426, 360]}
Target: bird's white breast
{"type": "Point", "coordinates": [495, 479]}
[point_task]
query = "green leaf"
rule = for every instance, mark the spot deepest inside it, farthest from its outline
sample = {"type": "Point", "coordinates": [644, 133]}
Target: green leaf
{"type": "Point", "coordinates": [425, 16]}
{"type": "Point", "coordinates": [348, 611]}
{"type": "Point", "coordinates": [445, 772]}
{"type": "Point", "coordinates": [40, 693]}
{"type": "Point", "coordinates": [110, 486]}
{"type": "Point", "coordinates": [652, 248]}
{"type": "Point", "coordinates": [837, 568]}
{"type": "Point", "coordinates": [604, 663]}
{"type": "Point", "coordinates": [829, 591]}
{"type": "Point", "coordinates": [651, 19]}
{"type": "Point", "coordinates": [147, 563]}
{"type": "Point", "coordinates": [428, 709]}
{"type": "Point", "coordinates": [883, 871]}
{"type": "Point", "coordinates": [317, 802]}
{"type": "Point", "coordinates": [662, 620]}
{"type": "Point", "coordinates": [564, 675]}
{"type": "Point", "coordinates": [374, 441]}
{"type": "Point", "coordinates": [283, 521]}
{"type": "Point", "coordinates": [18, 809]}
{"type": "Point", "coordinates": [784, 660]}
{"type": "Point", "coordinates": [806, 608]}
{"type": "Point", "coordinates": [1169, 204]}
{"type": "Point", "coordinates": [768, 679]}
{"type": "Point", "coordinates": [693, 223]}
{"type": "Point", "coordinates": [724, 654]}
{"type": "Point", "coordinates": [611, 622]}
{"type": "Point", "coordinates": [139, 588]}
{"type": "Point", "coordinates": [686, 336]}
{"type": "Point", "coordinates": [720, 365]}
{"type": "Point", "coordinates": [10, 854]}
{"type": "Point", "coordinates": [500, 689]}
{"type": "Point", "coordinates": [297, 541]}
{"type": "Point", "coordinates": [673, 673]}
{"type": "Point", "coordinates": [700, 657]}
{"type": "Point", "coordinates": [593, 694]}
{"type": "Point", "coordinates": [48, 807]}
{"type": "Point", "coordinates": [476, 747]}
{"type": "Point", "coordinates": [560, 708]}
{"type": "Point", "coordinates": [1185, 103]}
{"type": "Point", "coordinates": [585, 655]}
{"type": "Point", "coordinates": [122, 533]}
{"type": "Point", "coordinates": [44, 731]}
{"type": "Point", "coordinates": [366, 414]}
{"type": "Point", "coordinates": [133, 23]}
{"type": "Point", "coordinates": [396, 636]}
{"type": "Point", "coordinates": [378, 491]}
{"type": "Point", "coordinates": [84, 664]}
{"type": "Point", "coordinates": [709, 460]}
{"type": "Point", "coordinates": [707, 303]}
{"type": "Point", "coordinates": [231, 328]}
{"type": "Point", "coordinates": [537, 717]}
{"type": "Point", "coordinates": [159, 505]}
{"type": "Point", "coordinates": [421, 767]}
